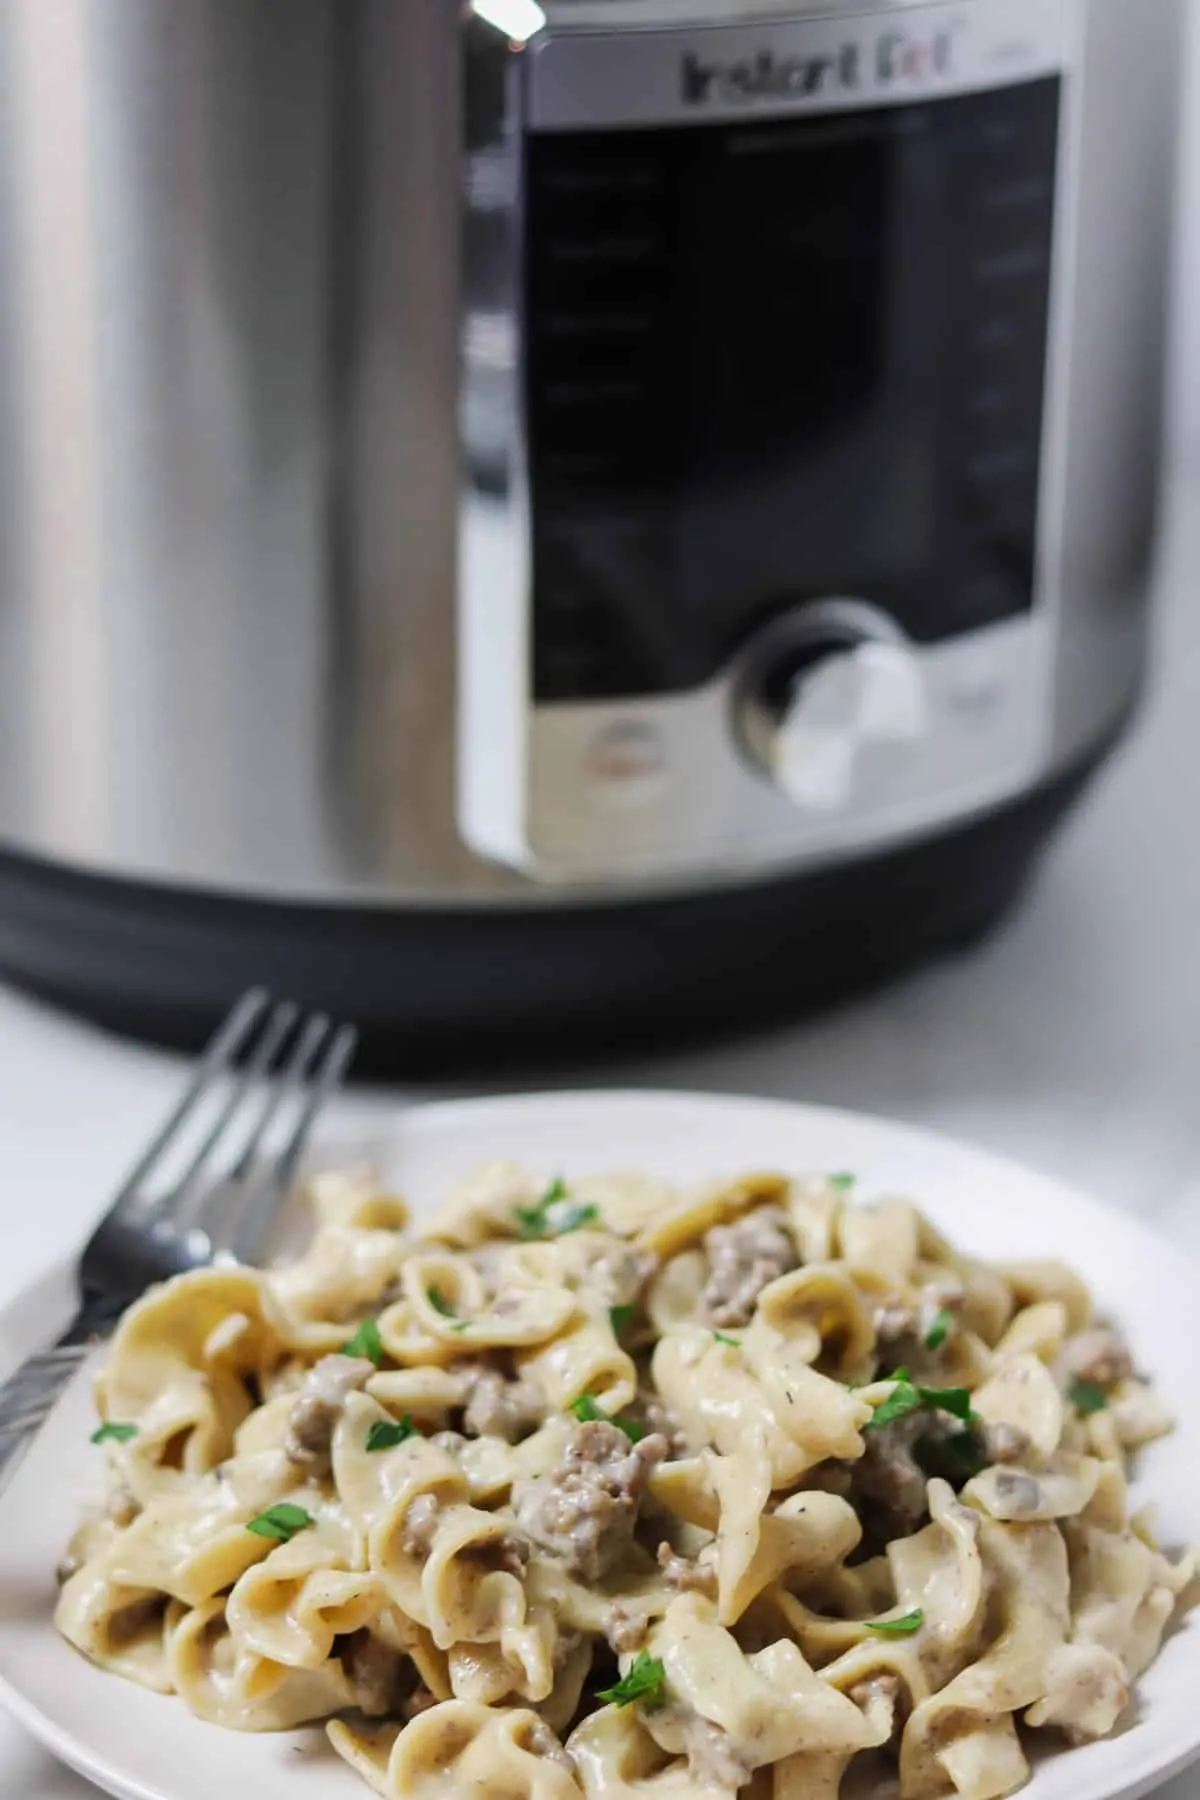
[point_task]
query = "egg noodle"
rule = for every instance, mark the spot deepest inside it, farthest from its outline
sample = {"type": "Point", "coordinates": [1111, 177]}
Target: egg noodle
{"type": "Point", "coordinates": [598, 1488]}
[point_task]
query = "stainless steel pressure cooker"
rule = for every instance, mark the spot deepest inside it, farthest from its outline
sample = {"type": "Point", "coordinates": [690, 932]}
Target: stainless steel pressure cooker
{"type": "Point", "coordinates": [543, 522]}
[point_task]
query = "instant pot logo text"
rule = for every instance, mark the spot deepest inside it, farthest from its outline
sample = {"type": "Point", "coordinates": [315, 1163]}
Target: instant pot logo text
{"type": "Point", "coordinates": [897, 58]}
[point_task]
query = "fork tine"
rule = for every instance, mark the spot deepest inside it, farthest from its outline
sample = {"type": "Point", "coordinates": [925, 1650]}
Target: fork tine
{"type": "Point", "coordinates": [174, 1205]}
{"type": "Point", "coordinates": [225, 1201]}
{"type": "Point", "coordinates": [336, 1061]}
{"type": "Point", "coordinates": [219, 1052]}
{"type": "Point", "coordinates": [304, 1050]}
{"type": "Point", "coordinates": [337, 1053]}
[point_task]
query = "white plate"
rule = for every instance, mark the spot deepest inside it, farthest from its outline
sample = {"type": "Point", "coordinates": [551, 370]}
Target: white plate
{"type": "Point", "coordinates": [143, 1747]}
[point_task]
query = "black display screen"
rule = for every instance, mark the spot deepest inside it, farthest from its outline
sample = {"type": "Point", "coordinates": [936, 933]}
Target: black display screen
{"type": "Point", "coordinates": [782, 359]}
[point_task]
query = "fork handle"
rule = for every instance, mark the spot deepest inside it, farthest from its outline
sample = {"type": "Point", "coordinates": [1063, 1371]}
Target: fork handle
{"type": "Point", "coordinates": [28, 1397]}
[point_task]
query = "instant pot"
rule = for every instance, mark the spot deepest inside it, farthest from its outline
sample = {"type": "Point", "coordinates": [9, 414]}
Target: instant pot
{"type": "Point", "coordinates": [540, 522]}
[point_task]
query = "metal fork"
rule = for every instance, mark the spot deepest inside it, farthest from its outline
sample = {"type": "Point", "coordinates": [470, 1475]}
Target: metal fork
{"type": "Point", "coordinates": [278, 1067]}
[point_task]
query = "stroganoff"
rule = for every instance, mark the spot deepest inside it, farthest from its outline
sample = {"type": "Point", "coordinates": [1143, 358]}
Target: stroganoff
{"type": "Point", "coordinates": [597, 1488]}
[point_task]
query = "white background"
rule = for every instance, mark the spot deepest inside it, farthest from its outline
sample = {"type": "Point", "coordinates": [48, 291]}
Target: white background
{"type": "Point", "coordinates": [1185, 385]}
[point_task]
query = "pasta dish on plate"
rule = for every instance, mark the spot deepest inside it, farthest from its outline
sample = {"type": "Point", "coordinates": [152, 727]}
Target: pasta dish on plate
{"type": "Point", "coordinates": [601, 1490]}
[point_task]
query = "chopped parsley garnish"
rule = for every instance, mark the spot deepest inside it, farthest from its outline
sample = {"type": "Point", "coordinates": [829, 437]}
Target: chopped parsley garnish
{"type": "Point", "coordinates": [904, 1626]}
{"type": "Point", "coordinates": [907, 1396]}
{"type": "Point", "coordinates": [723, 1337]}
{"type": "Point", "coordinates": [843, 1180]}
{"type": "Point", "coordinates": [385, 1434]}
{"type": "Point", "coordinates": [619, 1317]}
{"type": "Point", "coordinates": [588, 1413]}
{"type": "Point", "coordinates": [574, 1218]}
{"type": "Point", "coordinates": [903, 1399]}
{"type": "Point", "coordinates": [644, 1681]}
{"type": "Point", "coordinates": [1087, 1397]}
{"type": "Point", "coordinates": [280, 1522]}
{"type": "Point", "coordinates": [366, 1342]}
{"type": "Point", "coordinates": [554, 1214]}
{"type": "Point", "coordinates": [939, 1329]}
{"type": "Point", "coordinates": [954, 1400]}
{"type": "Point", "coordinates": [441, 1305]}
{"type": "Point", "coordinates": [112, 1432]}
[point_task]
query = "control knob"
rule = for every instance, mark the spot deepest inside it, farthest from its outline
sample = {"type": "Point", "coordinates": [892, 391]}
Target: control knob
{"type": "Point", "coordinates": [818, 687]}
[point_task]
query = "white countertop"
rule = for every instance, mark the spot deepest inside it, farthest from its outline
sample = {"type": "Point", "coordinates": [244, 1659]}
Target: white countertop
{"type": "Point", "coordinates": [1071, 1039]}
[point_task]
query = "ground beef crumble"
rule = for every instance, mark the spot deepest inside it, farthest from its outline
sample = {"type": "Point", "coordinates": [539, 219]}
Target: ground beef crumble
{"type": "Point", "coordinates": [586, 1508]}
{"type": "Point", "coordinates": [878, 1696]}
{"type": "Point", "coordinates": [499, 1407]}
{"type": "Point", "coordinates": [314, 1417]}
{"type": "Point", "coordinates": [875, 1687]}
{"type": "Point", "coordinates": [742, 1259]}
{"type": "Point", "coordinates": [376, 1673]}
{"type": "Point", "coordinates": [888, 1473]}
{"type": "Point", "coordinates": [714, 1759]}
{"type": "Point", "coordinates": [420, 1525]}
{"type": "Point", "coordinates": [619, 1275]}
{"type": "Point", "coordinates": [626, 1631]}
{"type": "Point", "coordinates": [687, 1575]}
{"type": "Point", "coordinates": [1005, 1443]}
{"type": "Point", "coordinates": [659, 1420]}
{"type": "Point", "coordinates": [510, 1553]}
{"type": "Point", "coordinates": [541, 1741]}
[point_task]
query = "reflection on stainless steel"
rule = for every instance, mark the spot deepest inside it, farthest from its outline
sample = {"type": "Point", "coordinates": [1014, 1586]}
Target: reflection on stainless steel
{"type": "Point", "coordinates": [1109, 502]}
{"type": "Point", "coordinates": [231, 467]}
{"type": "Point", "coordinates": [227, 423]}
{"type": "Point", "coordinates": [517, 19]}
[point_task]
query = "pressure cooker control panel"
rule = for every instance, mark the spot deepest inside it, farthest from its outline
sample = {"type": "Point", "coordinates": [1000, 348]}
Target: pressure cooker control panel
{"type": "Point", "coordinates": [757, 557]}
